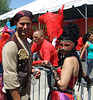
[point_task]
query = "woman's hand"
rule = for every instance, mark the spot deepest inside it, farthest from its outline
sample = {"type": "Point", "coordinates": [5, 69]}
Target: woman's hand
{"type": "Point", "coordinates": [47, 64]}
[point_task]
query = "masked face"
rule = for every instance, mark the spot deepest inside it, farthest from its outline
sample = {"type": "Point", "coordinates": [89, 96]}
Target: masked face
{"type": "Point", "coordinates": [66, 45]}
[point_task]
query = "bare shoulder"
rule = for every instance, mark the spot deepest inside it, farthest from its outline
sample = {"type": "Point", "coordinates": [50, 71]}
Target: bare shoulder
{"type": "Point", "coordinates": [73, 64]}
{"type": "Point", "coordinates": [86, 44]}
{"type": "Point", "coordinates": [70, 59]}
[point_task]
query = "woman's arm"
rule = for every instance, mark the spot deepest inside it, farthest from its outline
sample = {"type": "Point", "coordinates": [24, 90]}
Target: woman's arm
{"type": "Point", "coordinates": [87, 78]}
{"type": "Point", "coordinates": [66, 73]}
{"type": "Point", "coordinates": [84, 49]}
{"type": "Point", "coordinates": [81, 49]}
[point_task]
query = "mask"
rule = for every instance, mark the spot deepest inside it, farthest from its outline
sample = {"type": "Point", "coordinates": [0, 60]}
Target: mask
{"type": "Point", "coordinates": [66, 45]}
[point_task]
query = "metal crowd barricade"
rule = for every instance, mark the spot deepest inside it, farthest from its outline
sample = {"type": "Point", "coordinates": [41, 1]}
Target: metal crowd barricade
{"type": "Point", "coordinates": [84, 84]}
{"type": "Point", "coordinates": [42, 90]}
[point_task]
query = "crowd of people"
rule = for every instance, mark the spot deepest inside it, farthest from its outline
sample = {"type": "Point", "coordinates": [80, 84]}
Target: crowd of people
{"type": "Point", "coordinates": [62, 60]}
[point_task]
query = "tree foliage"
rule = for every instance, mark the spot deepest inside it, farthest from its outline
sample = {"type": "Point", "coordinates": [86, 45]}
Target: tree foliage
{"type": "Point", "coordinates": [4, 6]}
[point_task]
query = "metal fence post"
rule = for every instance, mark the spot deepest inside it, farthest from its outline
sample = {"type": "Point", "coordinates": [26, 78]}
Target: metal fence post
{"type": "Point", "coordinates": [45, 86]}
{"type": "Point", "coordinates": [89, 92]}
{"type": "Point", "coordinates": [82, 88]}
{"type": "Point", "coordinates": [39, 90]}
{"type": "Point", "coordinates": [33, 92]}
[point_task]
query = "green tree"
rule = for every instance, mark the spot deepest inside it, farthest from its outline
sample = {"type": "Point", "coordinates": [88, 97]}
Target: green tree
{"type": "Point", "coordinates": [4, 6]}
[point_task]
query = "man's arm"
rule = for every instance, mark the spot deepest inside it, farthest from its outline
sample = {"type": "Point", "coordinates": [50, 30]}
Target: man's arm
{"type": "Point", "coordinates": [15, 94]}
{"type": "Point", "coordinates": [33, 48]}
{"type": "Point", "coordinates": [9, 61]}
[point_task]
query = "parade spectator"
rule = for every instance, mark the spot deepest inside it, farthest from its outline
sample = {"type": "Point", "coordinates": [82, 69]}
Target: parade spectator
{"type": "Point", "coordinates": [17, 59]}
{"type": "Point", "coordinates": [45, 51]}
{"type": "Point", "coordinates": [88, 41]}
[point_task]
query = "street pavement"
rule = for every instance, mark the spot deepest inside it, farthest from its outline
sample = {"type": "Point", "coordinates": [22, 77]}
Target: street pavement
{"type": "Point", "coordinates": [41, 94]}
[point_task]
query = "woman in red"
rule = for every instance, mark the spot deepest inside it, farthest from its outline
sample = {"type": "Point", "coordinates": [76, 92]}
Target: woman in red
{"type": "Point", "coordinates": [70, 63]}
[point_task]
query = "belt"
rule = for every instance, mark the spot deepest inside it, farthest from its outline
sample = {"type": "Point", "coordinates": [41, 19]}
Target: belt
{"type": "Point", "coordinates": [70, 91]}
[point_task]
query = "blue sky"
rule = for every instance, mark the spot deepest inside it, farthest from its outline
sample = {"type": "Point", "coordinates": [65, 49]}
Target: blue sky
{"type": "Point", "coordinates": [19, 3]}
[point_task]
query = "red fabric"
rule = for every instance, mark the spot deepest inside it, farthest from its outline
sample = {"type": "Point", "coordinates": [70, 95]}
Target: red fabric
{"type": "Point", "coordinates": [80, 44]}
{"type": "Point", "coordinates": [55, 95]}
{"type": "Point", "coordinates": [46, 51]}
{"type": "Point", "coordinates": [59, 71]}
{"type": "Point", "coordinates": [54, 22]}
{"type": "Point", "coordinates": [36, 62]}
{"type": "Point", "coordinates": [1, 85]}
{"type": "Point", "coordinates": [4, 38]}
{"type": "Point", "coordinates": [70, 96]}
{"type": "Point", "coordinates": [73, 79]}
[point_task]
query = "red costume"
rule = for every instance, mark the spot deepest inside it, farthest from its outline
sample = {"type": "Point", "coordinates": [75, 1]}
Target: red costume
{"type": "Point", "coordinates": [57, 95]}
{"type": "Point", "coordinates": [45, 51]}
{"type": "Point", "coordinates": [53, 23]}
{"type": "Point", "coordinates": [4, 37]}
{"type": "Point", "coordinates": [80, 44]}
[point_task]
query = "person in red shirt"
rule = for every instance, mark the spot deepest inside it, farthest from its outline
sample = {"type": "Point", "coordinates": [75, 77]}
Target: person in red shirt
{"type": "Point", "coordinates": [45, 50]}
{"type": "Point", "coordinates": [47, 53]}
{"type": "Point", "coordinates": [79, 45]}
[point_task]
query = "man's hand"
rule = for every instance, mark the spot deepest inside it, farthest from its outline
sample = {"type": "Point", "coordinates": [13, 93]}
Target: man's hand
{"type": "Point", "coordinates": [38, 73]}
{"type": "Point", "coordinates": [45, 61]}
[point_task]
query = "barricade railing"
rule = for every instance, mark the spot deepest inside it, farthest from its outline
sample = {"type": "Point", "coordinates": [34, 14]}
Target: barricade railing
{"type": "Point", "coordinates": [42, 93]}
{"type": "Point", "coordinates": [84, 84]}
